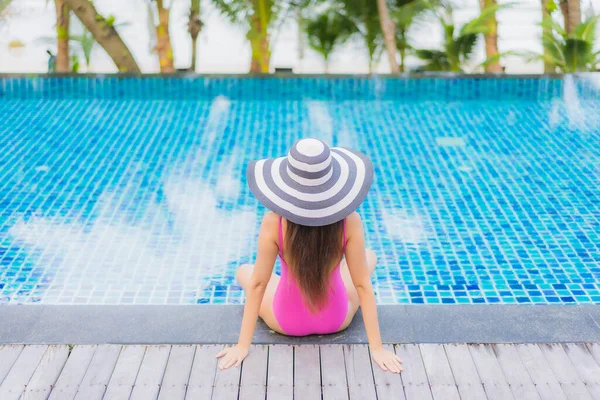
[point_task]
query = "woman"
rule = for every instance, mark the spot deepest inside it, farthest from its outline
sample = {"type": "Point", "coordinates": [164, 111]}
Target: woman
{"type": "Point", "coordinates": [313, 227]}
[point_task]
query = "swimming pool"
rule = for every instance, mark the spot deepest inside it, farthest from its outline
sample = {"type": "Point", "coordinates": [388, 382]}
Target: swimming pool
{"type": "Point", "coordinates": [132, 190]}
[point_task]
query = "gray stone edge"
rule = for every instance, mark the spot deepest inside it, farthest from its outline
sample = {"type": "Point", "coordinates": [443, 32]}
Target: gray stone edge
{"type": "Point", "coordinates": [210, 324]}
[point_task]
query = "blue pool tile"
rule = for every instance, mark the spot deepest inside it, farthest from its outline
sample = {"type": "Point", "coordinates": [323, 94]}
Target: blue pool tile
{"type": "Point", "coordinates": [133, 190]}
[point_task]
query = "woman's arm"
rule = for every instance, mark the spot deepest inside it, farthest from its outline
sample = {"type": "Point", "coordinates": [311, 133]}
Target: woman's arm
{"type": "Point", "coordinates": [356, 258]}
{"type": "Point", "coordinates": [263, 268]}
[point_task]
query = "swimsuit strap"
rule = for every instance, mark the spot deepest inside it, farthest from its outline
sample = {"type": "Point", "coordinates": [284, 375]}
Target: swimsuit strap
{"type": "Point", "coordinates": [345, 240]}
{"type": "Point", "coordinates": [280, 238]}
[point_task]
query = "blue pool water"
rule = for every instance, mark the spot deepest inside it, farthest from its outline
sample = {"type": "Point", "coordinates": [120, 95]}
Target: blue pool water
{"type": "Point", "coordinates": [133, 190]}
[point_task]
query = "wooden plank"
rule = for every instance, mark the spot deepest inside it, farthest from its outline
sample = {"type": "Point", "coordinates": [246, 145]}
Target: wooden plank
{"type": "Point", "coordinates": [177, 373]}
{"type": "Point", "coordinates": [126, 370]}
{"type": "Point", "coordinates": [587, 368]}
{"type": "Point", "coordinates": [388, 385]}
{"type": "Point", "coordinates": [414, 377]}
{"type": "Point", "coordinates": [490, 372]}
{"type": "Point", "coordinates": [47, 373]}
{"type": "Point", "coordinates": [98, 374]}
{"type": "Point", "coordinates": [70, 377]}
{"type": "Point", "coordinates": [21, 372]}
{"type": "Point", "coordinates": [280, 377]}
{"type": "Point", "coordinates": [565, 372]}
{"type": "Point", "coordinates": [361, 384]}
{"type": "Point", "coordinates": [515, 372]}
{"type": "Point", "coordinates": [202, 377]}
{"type": "Point", "coordinates": [333, 372]}
{"type": "Point", "coordinates": [8, 355]}
{"type": "Point", "coordinates": [540, 372]}
{"type": "Point", "coordinates": [307, 372]}
{"type": "Point", "coordinates": [254, 374]}
{"type": "Point", "coordinates": [438, 371]}
{"type": "Point", "coordinates": [594, 348]}
{"type": "Point", "coordinates": [227, 383]}
{"type": "Point", "coordinates": [464, 371]}
{"type": "Point", "coordinates": [152, 370]}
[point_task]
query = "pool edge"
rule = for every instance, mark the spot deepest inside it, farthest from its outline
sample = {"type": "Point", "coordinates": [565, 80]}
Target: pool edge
{"type": "Point", "coordinates": [207, 324]}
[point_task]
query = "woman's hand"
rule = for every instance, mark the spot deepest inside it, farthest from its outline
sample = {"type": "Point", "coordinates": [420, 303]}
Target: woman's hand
{"type": "Point", "coordinates": [232, 356]}
{"type": "Point", "coordinates": [387, 360]}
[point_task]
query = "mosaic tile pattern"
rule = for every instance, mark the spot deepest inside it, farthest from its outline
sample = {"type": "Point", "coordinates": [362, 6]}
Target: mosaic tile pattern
{"type": "Point", "coordinates": [116, 199]}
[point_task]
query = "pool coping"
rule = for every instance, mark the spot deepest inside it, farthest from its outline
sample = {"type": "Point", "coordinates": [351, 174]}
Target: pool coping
{"type": "Point", "coordinates": [288, 75]}
{"type": "Point", "coordinates": [210, 324]}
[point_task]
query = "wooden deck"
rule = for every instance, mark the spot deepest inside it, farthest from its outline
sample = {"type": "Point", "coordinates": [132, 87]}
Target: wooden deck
{"type": "Point", "coordinates": [432, 371]}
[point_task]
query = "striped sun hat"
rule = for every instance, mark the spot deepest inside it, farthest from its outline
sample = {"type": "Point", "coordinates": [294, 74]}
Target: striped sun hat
{"type": "Point", "coordinates": [314, 185]}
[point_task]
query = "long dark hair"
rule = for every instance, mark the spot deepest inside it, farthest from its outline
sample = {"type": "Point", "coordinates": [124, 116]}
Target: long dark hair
{"type": "Point", "coordinates": [313, 253]}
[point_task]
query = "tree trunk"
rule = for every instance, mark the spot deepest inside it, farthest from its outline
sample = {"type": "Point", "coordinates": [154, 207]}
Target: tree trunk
{"type": "Point", "coordinates": [549, 68]}
{"type": "Point", "coordinates": [62, 36]}
{"type": "Point", "coordinates": [389, 34]}
{"type": "Point", "coordinates": [194, 28]}
{"type": "Point", "coordinates": [105, 34]}
{"type": "Point", "coordinates": [574, 14]}
{"type": "Point", "coordinates": [259, 39]}
{"type": "Point", "coordinates": [163, 40]}
{"type": "Point", "coordinates": [491, 38]}
{"type": "Point", "coordinates": [261, 56]}
{"type": "Point", "coordinates": [564, 9]}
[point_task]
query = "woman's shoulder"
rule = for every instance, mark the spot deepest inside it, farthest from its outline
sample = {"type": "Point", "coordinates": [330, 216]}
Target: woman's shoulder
{"type": "Point", "coordinates": [270, 218]}
{"type": "Point", "coordinates": [353, 219]}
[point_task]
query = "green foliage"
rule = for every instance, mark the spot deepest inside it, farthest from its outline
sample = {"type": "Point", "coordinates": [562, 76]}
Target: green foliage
{"type": "Point", "coordinates": [86, 44]}
{"type": "Point", "coordinates": [405, 14]}
{"type": "Point", "coordinates": [574, 52]}
{"type": "Point", "coordinates": [74, 64]}
{"type": "Point", "coordinates": [110, 21]}
{"type": "Point", "coordinates": [327, 31]}
{"type": "Point", "coordinates": [551, 6]}
{"type": "Point", "coordinates": [365, 17]}
{"type": "Point", "coordinates": [4, 5]}
{"type": "Point", "coordinates": [458, 46]}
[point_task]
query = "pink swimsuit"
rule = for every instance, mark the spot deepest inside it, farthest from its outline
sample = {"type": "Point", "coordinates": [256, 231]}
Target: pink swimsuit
{"type": "Point", "coordinates": [294, 317]}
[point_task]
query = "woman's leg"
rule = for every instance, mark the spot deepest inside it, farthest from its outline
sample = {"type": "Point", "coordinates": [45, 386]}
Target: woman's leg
{"type": "Point", "coordinates": [353, 301]}
{"type": "Point", "coordinates": [243, 275]}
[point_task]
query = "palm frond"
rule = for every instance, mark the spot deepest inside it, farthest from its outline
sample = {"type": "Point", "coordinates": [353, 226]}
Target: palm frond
{"type": "Point", "coordinates": [481, 23]}
{"type": "Point", "coordinates": [435, 60]}
{"type": "Point", "coordinates": [554, 26]}
{"type": "Point", "coordinates": [586, 30]}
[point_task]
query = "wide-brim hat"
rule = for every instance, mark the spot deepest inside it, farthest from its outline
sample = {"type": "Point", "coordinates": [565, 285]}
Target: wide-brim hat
{"type": "Point", "coordinates": [313, 185]}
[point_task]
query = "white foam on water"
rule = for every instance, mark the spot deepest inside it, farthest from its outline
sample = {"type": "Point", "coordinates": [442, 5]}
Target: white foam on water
{"type": "Point", "coordinates": [187, 234]}
{"type": "Point", "coordinates": [228, 186]}
{"type": "Point", "coordinates": [217, 116]}
{"type": "Point", "coordinates": [42, 168]}
{"type": "Point", "coordinates": [400, 225]}
{"type": "Point", "coordinates": [554, 116]}
{"type": "Point", "coordinates": [320, 120]}
{"type": "Point", "coordinates": [575, 112]}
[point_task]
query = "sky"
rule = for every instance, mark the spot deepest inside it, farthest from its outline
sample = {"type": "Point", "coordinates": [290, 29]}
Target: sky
{"type": "Point", "coordinates": [223, 47]}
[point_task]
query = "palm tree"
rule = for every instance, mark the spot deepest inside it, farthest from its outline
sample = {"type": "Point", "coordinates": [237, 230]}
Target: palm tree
{"type": "Point", "coordinates": [161, 36]}
{"type": "Point", "coordinates": [405, 13]}
{"type": "Point", "coordinates": [62, 36]}
{"type": "Point", "coordinates": [571, 10]}
{"type": "Point", "coordinates": [194, 28]}
{"type": "Point", "coordinates": [570, 52]}
{"type": "Point", "coordinates": [491, 37]}
{"type": "Point", "coordinates": [258, 16]}
{"type": "Point", "coordinates": [103, 30]}
{"type": "Point", "coordinates": [548, 7]}
{"type": "Point", "coordinates": [327, 31]}
{"type": "Point", "coordinates": [458, 47]}
{"type": "Point", "coordinates": [365, 16]}
{"type": "Point", "coordinates": [389, 34]}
